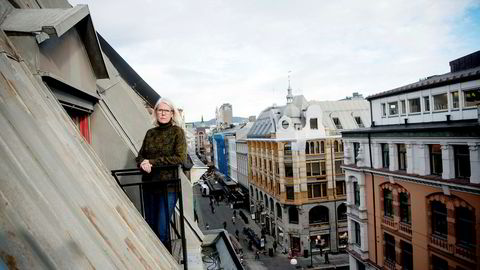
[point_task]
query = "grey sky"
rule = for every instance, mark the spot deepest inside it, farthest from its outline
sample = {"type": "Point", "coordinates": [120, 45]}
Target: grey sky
{"type": "Point", "coordinates": [204, 53]}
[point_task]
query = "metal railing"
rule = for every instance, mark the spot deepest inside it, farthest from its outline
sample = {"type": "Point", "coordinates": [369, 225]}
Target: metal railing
{"type": "Point", "coordinates": [176, 240]}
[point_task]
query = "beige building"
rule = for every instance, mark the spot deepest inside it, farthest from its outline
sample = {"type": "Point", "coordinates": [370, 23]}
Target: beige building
{"type": "Point", "coordinates": [413, 178]}
{"type": "Point", "coordinates": [297, 187]}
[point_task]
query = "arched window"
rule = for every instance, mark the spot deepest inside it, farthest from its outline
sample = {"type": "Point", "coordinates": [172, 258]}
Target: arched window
{"type": "Point", "coordinates": [293, 215]}
{"type": "Point", "coordinates": [387, 203]}
{"type": "Point", "coordinates": [271, 205]}
{"type": "Point", "coordinates": [316, 148]}
{"type": "Point", "coordinates": [322, 147]}
{"type": "Point", "coordinates": [335, 146]}
{"type": "Point", "coordinates": [279, 210]}
{"type": "Point", "coordinates": [251, 191]}
{"type": "Point", "coordinates": [318, 214]}
{"type": "Point", "coordinates": [265, 200]}
{"type": "Point", "coordinates": [307, 148]}
{"type": "Point", "coordinates": [256, 190]}
{"type": "Point", "coordinates": [341, 146]}
{"type": "Point", "coordinates": [439, 219]}
{"type": "Point", "coordinates": [342, 212]}
{"type": "Point", "coordinates": [405, 215]}
{"type": "Point", "coordinates": [465, 226]}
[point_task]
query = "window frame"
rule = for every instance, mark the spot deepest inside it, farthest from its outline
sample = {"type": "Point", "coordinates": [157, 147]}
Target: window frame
{"type": "Point", "coordinates": [395, 108]}
{"type": "Point", "coordinates": [435, 167]}
{"type": "Point", "coordinates": [443, 102]}
{"type": "Point", "coordinates": [426, 104]}
{"type": "Point", "coordinates": [402, 156]}
{"type": "Point", "coordinates": [410, 106]}
{"type": "Point", "coordinates": [462, 162]}
{"type": "Point", "coordinates": [313, 123]}
{"type": "Point", "coordinates": [356, 194]}
{"type": "Point", "coordinates": [385, 148]}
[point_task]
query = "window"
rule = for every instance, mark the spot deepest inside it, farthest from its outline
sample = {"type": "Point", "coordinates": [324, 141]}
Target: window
{"type": "Point", "coordinates": [414, 105]}
{"type": "Point", "coordinates": [389, 247]}
{"type": "Point", "coordinates": [439, 263]}
{"type": "Point", "coordinates": [313, 123]}
{"type": "Point", "coordinates": [335, 146]}
{"type": "Point", "coordinates": [359, 121]}
{"type": "Point", "coordinates": [439, 219]}
{"type": "Point", "coordinates": [341, 188]}
{"type": "Point", "coordinates": [402, 157]}
{"type": "Point", "coordinates": [435, 159]}
{"type": "Point", "coordinates": [387, 203]}
{"type": "Point", "coordinates": [338, 168]}
{"type": "Point", "coordinates": [322, 147]}
{"type": "Point", "coordinates": [285, 124]}
{"type": "Point", "coordinates": [290, 193]}
{"type": "Point", "coordinates": [407, 255]}
{"type": "Point", "coordinates": [317, 190]}
{"type": "Point", "coordinates": [471, 97]}
{"type": "Point", "coordinates": [82, 122]}
{"type": "Point", "coordinates": [405, 214]}
{"type": "Point", "coordinates": [358, 239]}
{"type": "Point", "coordinates": [356, 193]}
{"type": "Point", "coordinates": [426, 104]}
{"type": "Point", "coordinates": [462, 161]}
{"type": "Point", "coordinates": [279, 210]}
{"type": "Point", "coordinates": [337, 123]}
{"type": "Point", "coordinates": [307, 148]}
{"type": "Point", "coordinates": [287, 149]}
{"type": "Point", "coordinates": [455, 100]}
{"type": "Point", "coordinates": [356, 149]}
{"type": "Point", "coordinates": [277, 169]}
{"type": "Point", "coordinates": [318, 214]}
{"type": "Point", "coordinates": [342, 212]}
{"type": "Point", "coordinates": [288, 169]}
{"type": "Point", "coordinates": [393, 108]}
{"type": "Point", "coordinates": [440, 102]}
{"type": "Point", "coordinates": [293, 215]}
{"type": "Point", "coordinates": [313, 168]}
{"type": "Point", "coordinates": [323, 169]}
{"type": "Point", "coordinates": [385, 155]}
{"type": "Point", "coordinates": [464, 226]}
{"type": "Point", "coordinates": [403, 107]}
{"type": "Point", "coordinates": [384, 110]}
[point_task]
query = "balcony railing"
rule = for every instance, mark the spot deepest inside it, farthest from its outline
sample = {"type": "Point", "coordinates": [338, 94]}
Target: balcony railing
{"type": "Point", "coordinates": [389, 222]}
{"type": "Point", "coordinates": [441, 243]}
{"type": "Point", "coordinates": [468, 253]}
{"type": "Point", "coordinates": [405, 228]}
{"type": "Point", "coordinates": [389, 264]}
{"type": "Point", "coordinates": [135, 191]}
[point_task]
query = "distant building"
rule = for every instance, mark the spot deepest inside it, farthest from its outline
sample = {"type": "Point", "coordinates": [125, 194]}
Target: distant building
{"type": "Point", "coordinates": [296, 184]}
{"type": "Point", "coordinates": [224, 116]}
{"type": "Point", "coordinates": [413, 178]}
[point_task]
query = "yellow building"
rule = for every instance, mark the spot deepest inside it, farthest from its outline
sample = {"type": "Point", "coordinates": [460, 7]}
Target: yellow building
{"type": "Point", "coordinates": [297, 187]}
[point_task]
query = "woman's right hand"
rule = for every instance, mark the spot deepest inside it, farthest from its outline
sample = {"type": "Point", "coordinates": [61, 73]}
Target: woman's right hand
{"type": "Point", "coordinates": [146, 166]}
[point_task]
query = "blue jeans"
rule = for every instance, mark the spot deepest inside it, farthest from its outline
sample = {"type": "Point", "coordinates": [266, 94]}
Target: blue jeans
{"type": "Point", "coordinates": [158, 213]}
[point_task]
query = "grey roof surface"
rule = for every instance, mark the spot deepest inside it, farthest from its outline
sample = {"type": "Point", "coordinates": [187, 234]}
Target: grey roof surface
{"type": "Point", "coordinates": [432, 81]}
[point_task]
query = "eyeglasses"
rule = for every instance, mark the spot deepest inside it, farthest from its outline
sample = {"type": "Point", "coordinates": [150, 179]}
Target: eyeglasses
{"type": "Point", "coordinates": [162, 111]}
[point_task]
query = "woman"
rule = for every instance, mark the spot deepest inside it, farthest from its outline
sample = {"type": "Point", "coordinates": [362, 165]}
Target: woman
{"type": "Point", "coordinates": [164, 144]}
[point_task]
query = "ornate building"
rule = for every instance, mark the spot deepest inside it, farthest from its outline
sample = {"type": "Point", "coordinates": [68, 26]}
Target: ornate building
{"type": "Point", "coordinates": [297, 187]}
{"type": "Point", "coordinates": [413, 178]}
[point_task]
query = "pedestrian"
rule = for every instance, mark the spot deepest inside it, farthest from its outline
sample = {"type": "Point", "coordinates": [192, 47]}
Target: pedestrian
{"type": "Point", "coordinates": [275, 245]}
{"type": "Point", "coordinates": [195, 216]}
{"type": "Point", "coordinates": [213, 209]}
{"type": "Point", "coordinates": [237, 234]}
{"type": "Point", "coordinates": [235, 213]}
{"type": "Point", "coordinates": [164, 144]}
{"type": "Point", "coordinates": [326, 257]}
{"type": "Point", "coordinates": [233, 220]}
{"type": "Point", "coordinates": [257, 255]}
{"type": "Point", "coordinates": [207, 226]}
{"type": "Point", "coordinates": [225, 225]}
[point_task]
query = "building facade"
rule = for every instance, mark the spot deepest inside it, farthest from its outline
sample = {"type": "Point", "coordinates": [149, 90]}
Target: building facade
{"type": "Point", "coordinates": [413, 178]}
{"type": "Point", "coordinates": [296, 184]}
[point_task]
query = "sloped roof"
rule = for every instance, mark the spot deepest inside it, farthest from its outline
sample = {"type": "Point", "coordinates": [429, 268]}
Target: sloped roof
{"type": "Point", "coordinates": [345, 111]}
{"type": "Point", "coordinates": [432, 81]}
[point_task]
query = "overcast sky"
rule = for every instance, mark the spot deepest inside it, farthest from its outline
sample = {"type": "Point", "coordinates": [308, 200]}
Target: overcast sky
{"type": "Point", "coordinates": [203, 53]}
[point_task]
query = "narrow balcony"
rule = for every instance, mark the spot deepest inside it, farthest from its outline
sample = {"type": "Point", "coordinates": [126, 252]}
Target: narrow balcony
{"type": "Point", "coordinates": [441, 243]}
{"type": "Point", "coordinates": [405, 228]}
{"type": "Point", "coordinates": [467, 253]}
{"type": "Point", "coordinates": [130, 182]}
{"type": "Point", "coordinates": [389, 222]}
{"type": "Point", "coordinates": [388, 264]}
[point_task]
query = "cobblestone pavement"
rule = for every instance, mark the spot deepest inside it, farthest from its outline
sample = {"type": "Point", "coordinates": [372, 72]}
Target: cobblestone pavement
{"type": "Point", "coordinates": [280, 261]}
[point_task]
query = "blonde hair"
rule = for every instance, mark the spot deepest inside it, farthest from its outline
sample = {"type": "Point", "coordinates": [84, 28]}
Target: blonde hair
{"type": "Point", "coordinates": [176, 117]}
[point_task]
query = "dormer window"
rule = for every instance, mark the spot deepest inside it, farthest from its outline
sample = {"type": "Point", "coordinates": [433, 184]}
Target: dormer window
{"type": "Point", "coordinates": [393, 108]}
{"type": "Point", "coordinates": [313, 123]}
{"type": "Point", "coordinates": [359, 121]}
{"type": "Point", "coordinates": [337, 123]}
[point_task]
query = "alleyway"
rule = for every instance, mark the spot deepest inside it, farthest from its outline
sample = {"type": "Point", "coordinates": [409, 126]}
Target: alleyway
{"type": "Point", "coordinates": [280, 261]}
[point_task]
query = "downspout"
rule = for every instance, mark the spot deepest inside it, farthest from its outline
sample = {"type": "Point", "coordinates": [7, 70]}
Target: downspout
{"type": "Point", "coordinates": [373, 191]}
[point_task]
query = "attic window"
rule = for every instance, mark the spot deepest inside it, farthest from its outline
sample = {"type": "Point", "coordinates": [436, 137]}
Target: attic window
{"type": "Point", "coordinates": [359, 121]}
{"type": "Point", "coordinates": [285, 124]}
{"type": "Point", "coordinates": [337, 123]}
{"type": "Point", "coordinates": [313, 123]}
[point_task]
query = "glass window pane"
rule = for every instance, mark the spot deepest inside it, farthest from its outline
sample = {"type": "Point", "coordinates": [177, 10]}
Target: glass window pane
{"type": "Point", "coordinates": [414, 105]}
{"type": "Point", "coordinates": [440, 102]}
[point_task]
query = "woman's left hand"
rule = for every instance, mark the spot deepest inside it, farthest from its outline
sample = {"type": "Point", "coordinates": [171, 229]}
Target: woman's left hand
{"type": "Point", "coordinates": [146, 166]}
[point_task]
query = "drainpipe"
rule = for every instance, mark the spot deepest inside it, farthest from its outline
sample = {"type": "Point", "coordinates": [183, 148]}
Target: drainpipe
{"type": "Point", "coordinates": [373, 192]}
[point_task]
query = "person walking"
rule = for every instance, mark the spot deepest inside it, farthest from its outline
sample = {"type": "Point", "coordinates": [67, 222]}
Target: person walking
{"type": "Point", "coordinates": [233, 220]}
{"type": "Point", "coordinates": [326, 257]}
{"type": "Point", "coordinates": [225, 225]}
{"type": "Point", "coordinates": [237, 235]}
{"type": "Point", "coordinates": [207, 226]}
{"type": "Point", "coordinates": [275, 246]}
{"type": "Point", "coordinates": [235, 213]}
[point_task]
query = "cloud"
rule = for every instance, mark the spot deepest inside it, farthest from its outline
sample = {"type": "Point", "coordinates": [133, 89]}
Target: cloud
{"type": "Point", "coordinates": [205, 53]}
